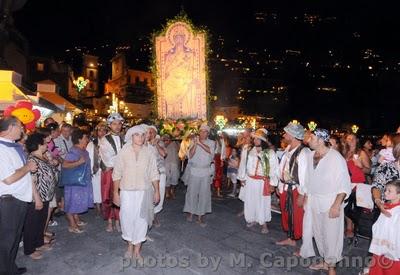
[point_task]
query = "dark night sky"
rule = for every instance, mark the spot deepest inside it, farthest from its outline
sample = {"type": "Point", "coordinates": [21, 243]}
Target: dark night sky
{"type": "Point", "coordinates": [52, 26]}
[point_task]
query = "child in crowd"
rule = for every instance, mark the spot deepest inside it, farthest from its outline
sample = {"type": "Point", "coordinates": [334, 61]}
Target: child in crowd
{"type": "Point", "coordinates": [386, 154]}
{"type": "Point", "coordinates": [385, 244]}
{"type": "Point", "coordinates": [232, 170]}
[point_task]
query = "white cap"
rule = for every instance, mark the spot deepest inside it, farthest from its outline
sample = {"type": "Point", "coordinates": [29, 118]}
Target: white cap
{"type": "Point", "coordinates": [114, 116]}
{"type": "Point", "coordinates": [204, 127]}
{"type": "Point", "coordinates": [137, 129]}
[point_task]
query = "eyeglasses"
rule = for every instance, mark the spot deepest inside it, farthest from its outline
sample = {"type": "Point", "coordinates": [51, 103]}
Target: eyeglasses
{"type": "Point", "coordinates": [19, 126]}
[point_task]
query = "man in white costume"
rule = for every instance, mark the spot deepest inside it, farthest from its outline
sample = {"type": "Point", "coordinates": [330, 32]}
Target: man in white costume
{"type": "Point", "coordinates": [171, 165]}
{"type": "Point", "coordinates": [157, 146]}
{"type": "Point", "coordinates": [243, 144]}
{"type": "Point", "coordinates": [327, 186]}
{"type": "Point", "coordinates": [93, 149]}
{"type": "Point", "coordinates": [198, 194]}
{"type": "Point", "coordinates": [292, 171]}
{"type": "Point", "coordinates": [258, 171]}
{"type": "Point", "coordinates": [136, 189]}
{"type": "Point", "coordinates": [110, 145]}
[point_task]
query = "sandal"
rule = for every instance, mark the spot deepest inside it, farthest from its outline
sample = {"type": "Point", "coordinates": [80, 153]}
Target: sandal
{"type": "Point", "coordinates": [36, 255]}
{"type": "Point", "coordinates": [81, 223]}
{"type": "Point", "coordinates": [49, 234]}
{"type": "Point", "coordinates": [250, 224]}
{"type": "Point", "coordinates": [320, 266]}
{"type": "Point", "coordinates": [264, 231]}
{"type": "Point", "coordinates": [75, 230]}
{"type": "Point", "coordinates": [45, 247]}
{"type": "Point", "coordinates": [109, 227]}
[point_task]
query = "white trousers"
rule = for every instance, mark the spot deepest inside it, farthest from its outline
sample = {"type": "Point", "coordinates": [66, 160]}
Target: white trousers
{"type": "Point", "coordinates": [134, 227]}
{"type": "Point", "coordinates": [328, 234]}
{"type": "Point", "coordinates": [159, 206]}
{"type": "Point", "coordinates": [96, 183]}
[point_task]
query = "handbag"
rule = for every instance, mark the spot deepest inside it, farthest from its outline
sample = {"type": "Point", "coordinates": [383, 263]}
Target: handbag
{"type": "Point", "coordinates": [74, 176]}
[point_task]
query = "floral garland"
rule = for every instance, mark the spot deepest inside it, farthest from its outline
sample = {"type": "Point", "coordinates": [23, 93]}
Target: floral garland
{"type": "Point", "coordinates": [178, 129]}
{"type": "Point", "coordinates": [265, 162]}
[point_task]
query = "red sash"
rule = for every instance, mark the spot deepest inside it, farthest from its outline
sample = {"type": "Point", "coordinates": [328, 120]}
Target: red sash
{"type": "Point", "coordinates": [267, 186]}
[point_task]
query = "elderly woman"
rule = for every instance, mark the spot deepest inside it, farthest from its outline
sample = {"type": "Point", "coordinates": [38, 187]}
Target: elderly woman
{"type": "Point", "coordinates": [44, 182]}
{"type": "Point", "coordinates": [385, 173]}
{"type": "Point", "coordinates": [78, 198]}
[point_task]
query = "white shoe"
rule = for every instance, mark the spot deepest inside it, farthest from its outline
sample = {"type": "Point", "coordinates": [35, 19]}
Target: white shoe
{"type": "Point", "coordinates": [53, 223]}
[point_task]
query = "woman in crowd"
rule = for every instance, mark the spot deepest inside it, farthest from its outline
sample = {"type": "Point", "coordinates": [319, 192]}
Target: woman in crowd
{"type": "Point", "coordinates": [359, 164]}
{"type": "Point", "coordinates": [385, 173]}
{"type": "Point", "coordinates": [336, 143]}
{"type": "Point", "coordinates": [44, 182]}
{"type": "Point", "coordinates": [386, 154]}
{"type": "Point", "coordinates": [78, 198]}
{"type": "Point", "coordinates": [54, 162]}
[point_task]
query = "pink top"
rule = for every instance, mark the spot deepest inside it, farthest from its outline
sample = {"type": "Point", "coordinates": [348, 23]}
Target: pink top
{"type": "Point", "coordinates": [53, 149]}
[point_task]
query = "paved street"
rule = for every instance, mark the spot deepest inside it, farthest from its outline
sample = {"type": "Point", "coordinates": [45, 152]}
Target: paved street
{"type": "Point", "coordinates": [225, 246]}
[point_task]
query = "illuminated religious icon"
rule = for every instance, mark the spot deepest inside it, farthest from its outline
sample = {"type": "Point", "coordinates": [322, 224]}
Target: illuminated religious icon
{"type": "Point", "coordinates": [181, 74]}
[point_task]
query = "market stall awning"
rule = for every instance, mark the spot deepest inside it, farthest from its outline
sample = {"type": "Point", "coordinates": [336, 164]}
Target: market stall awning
{"type": "Point", "coordinates": [58, 101]}
{"type": "Point", "coordinates": [11, 89]}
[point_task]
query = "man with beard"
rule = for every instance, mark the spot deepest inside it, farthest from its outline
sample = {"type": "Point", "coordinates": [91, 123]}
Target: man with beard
{"type": "Point", "coordinates": [110, 145]}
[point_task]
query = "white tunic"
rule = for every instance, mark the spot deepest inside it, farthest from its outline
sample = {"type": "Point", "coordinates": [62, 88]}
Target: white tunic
{"type": "Point", "coordinates": [96, 178]}
{"type": "Point", "coordinates": [257, 207]}
{"type": "Point", "coordinates": [386, 235]}
{"type": "Point", "coordinates": [284, 172]}
{"type": "Point", "coordinates": [172, 164]}
{"type": "Point", "coordinates": [107, 152]}
{"type": "Point", "coordinates": [327, 180]}
{"type": "Point", "coordinates": [323, 184]}
{"type": "Point", "coordinates": [161, 170]}
{"type": "Point", "coordinates": [198, 193]}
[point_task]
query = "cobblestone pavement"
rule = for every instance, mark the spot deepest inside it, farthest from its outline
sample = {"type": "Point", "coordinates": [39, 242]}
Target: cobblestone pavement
{"type": "Point", "coordinates": [224, 246]}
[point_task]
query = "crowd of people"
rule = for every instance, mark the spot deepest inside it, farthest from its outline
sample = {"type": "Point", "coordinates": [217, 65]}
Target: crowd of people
{"type": "Point", "coordinates": [324, 185]}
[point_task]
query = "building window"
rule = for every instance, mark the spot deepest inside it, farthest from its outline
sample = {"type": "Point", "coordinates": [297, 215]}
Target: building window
{"type": "Point", "coordinates": [137, 80]}
{"type": "Point", "coordinates": [40, 67]}
{"type": "Point", "coordinates": [91, 74]}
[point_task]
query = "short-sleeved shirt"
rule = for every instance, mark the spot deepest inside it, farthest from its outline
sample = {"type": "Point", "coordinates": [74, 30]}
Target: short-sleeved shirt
{"type": "Point", "coordinates": [10, 162]}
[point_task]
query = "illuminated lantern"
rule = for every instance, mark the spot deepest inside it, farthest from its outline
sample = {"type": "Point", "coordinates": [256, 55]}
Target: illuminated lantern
{"type": "Point", "coordinates": [312, 125]}
{"type": "Point", "coordinates": [220, 121]}
{"type": "Point", "coordinates": [294, 121]}
{"type": "Point", "coordinates": [355, 129]}
{"type": "Point", "coordinates": [80, 83]}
